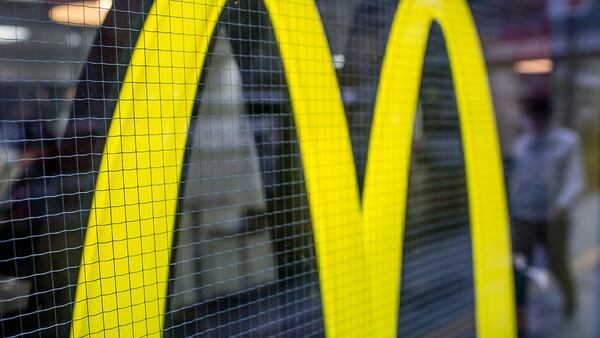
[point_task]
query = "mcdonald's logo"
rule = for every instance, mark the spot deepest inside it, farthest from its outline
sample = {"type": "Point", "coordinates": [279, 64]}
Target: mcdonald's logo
{"type": "Point", "coordinates": [123, 280]}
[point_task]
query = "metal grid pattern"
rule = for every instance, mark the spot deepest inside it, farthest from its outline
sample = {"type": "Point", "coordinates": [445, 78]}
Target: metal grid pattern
{"type": "Point", "coordinates": [242, 258]}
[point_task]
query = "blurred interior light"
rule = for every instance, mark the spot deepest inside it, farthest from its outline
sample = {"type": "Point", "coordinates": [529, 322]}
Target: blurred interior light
{"type": "Point", "coordinates": [534, 66]}
{"type": "Point", "coordinates": [88, 12]}
{"type": "Point", "coordinates": [12, 34]}
{"type": "Point", "coordinates": [338, 61]}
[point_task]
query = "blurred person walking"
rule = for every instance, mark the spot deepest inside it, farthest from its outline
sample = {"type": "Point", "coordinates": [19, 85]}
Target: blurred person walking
{"type": "Point", "coordinates": [546, 178]}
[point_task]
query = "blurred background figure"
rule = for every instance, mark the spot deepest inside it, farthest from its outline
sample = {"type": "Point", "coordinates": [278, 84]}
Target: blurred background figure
{"type": "Point", "coordinates": [25, 142]}
{"type": "Point", "coordinates": [28, 164]}
{"type": "Point", "coordinates": [547, 177]}
{"type": "Point", "coordinates": [14, 291]}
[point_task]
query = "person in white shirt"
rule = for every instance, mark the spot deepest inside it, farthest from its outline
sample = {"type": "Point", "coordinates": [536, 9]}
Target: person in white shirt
{"type": "Point", "coordinates": [546, 178]}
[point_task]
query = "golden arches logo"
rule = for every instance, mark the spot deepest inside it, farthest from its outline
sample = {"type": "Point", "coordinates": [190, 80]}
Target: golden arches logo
{"type": "Point", "coordinates": [122, 283]}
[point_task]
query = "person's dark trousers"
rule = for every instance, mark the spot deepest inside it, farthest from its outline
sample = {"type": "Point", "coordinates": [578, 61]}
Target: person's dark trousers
{"type": "Point", "coordinates": [558, 235]}
{"type": "Point", "coordinates": [524, 237]}
{"type": "Point", "coordinates": [553, 236]}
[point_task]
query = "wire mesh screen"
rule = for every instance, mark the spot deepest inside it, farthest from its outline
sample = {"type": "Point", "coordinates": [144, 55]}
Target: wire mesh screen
{"type": "Point", "coordinates": [261, 168]}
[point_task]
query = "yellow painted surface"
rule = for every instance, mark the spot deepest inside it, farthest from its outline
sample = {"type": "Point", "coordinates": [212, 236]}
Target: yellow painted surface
{"type": "Point", "coordinates": [122, 284]}
{"type": "Point", "coordinates": [328, 167]}
{"type": "Point", "coordinates": [389, 156]}
{"type": "Point", "coordinates": [123, 281]}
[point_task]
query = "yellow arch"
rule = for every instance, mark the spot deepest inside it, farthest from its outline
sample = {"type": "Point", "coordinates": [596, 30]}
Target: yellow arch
{"type": "Point", "coordinates": [389, 156]}
{"type": "Point", "coordinates": [122, 282]}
